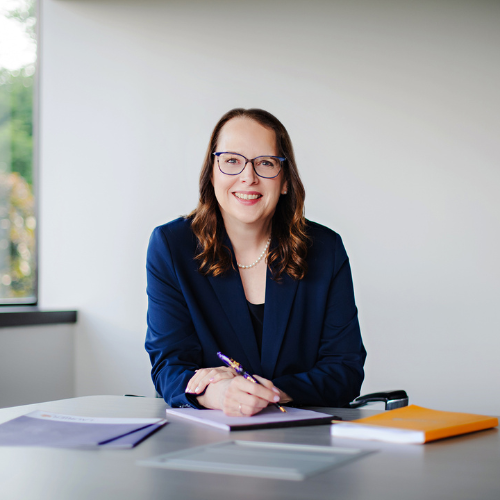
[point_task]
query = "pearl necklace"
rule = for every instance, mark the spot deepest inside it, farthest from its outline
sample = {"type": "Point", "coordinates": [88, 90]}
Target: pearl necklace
{"type": "Point", "coordinates": [259, 259]}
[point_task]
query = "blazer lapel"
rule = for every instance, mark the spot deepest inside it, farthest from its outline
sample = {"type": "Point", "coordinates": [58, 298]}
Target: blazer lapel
{"type": "Point", "coordinates": [229, 291]}
{"type": "Point", "coordinates": [279, 300]}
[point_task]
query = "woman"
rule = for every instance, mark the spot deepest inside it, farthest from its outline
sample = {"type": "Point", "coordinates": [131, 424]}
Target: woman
{"type": "Point", "coordinates": [246, 274]}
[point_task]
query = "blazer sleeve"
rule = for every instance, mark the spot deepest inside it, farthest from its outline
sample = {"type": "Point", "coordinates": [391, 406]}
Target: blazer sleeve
{"type": "Point", "coordinates": [171, 340]}
{"type": "Point", "coordinates": [336, 377]}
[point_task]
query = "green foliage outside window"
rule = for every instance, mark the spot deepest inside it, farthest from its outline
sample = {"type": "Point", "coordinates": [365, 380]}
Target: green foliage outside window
{"type": "Point", "coordinates": [17, 204]}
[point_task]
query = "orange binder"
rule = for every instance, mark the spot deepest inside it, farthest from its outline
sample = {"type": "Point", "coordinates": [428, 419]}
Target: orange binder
{"type": "Point", "coordinates": [413, 424]}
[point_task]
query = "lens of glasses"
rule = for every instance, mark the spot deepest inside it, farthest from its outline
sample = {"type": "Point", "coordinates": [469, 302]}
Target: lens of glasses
{"type": "Point", "coordinates": [265, 166]}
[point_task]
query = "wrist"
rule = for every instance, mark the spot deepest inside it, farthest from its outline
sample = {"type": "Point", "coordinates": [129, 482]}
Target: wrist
{"type": "Point", "coordinates": [194, 401]}
{"type": "Point", "coordinates": [201, 400]}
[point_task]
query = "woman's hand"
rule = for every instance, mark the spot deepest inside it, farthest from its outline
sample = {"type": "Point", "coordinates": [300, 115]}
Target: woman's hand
{"type": "Point", "coordinates": [206, 376]}
{"type": "Point", "coordinates": [238, 397]}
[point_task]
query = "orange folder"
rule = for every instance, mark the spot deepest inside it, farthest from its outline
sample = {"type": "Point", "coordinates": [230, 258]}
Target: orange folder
{"type": "Point", "coordinates": [413, 424]}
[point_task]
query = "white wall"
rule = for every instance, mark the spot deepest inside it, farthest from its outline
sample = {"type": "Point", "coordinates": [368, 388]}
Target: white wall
{"type": "Point", "coordinates": [393, 107]}
{"type": "Point", "coordinates": [36, 364]}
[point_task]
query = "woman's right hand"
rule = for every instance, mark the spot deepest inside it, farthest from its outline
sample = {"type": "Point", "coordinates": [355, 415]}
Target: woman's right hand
{"type": "Point", "coordinates": [238, 397]}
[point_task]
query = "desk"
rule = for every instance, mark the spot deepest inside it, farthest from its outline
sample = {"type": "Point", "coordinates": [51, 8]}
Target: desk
{"type": "Point", "coordinates": [466, 467]}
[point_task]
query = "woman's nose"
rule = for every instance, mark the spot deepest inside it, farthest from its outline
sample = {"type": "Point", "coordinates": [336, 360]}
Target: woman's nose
{"type": "Point", "coordinates": [248, 174]}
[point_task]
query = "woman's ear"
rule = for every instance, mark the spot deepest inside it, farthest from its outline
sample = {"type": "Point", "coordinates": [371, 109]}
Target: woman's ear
{"type": "Point", "coordinates": [284, 188]}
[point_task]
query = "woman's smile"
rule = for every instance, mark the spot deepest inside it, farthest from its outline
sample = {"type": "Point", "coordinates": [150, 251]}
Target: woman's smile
{"type": "Point", "coordinates": [248, 198]}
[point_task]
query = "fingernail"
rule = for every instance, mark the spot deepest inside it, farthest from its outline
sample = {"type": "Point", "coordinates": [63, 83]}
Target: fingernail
{"type": "Point", "coordinates": [188, 389]}
{"type": "Point", "coordinates": [212, 379]}
{"type": "Point", "coordinates": [197, 390]}
{"type": "Point", "coordinates": [276, 390]}
{"type": "Point", "coordinates": [276, 398]}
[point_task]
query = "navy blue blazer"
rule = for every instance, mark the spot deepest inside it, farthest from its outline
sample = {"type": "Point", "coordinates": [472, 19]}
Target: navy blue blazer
{"type": "Point", "coordinates": [311, 343]}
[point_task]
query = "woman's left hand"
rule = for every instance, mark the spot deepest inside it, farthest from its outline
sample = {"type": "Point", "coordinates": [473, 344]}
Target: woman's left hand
{"type": "Point", "coordinates": [205, 376]}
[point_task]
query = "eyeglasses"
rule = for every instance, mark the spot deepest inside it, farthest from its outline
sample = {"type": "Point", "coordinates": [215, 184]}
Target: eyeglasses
{"type": "Point", "coordinates": [267, 167]}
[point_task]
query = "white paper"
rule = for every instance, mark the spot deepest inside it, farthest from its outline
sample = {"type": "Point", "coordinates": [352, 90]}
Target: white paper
{"type": "Point", "coordinates": [58, 417]}
{"type": "Point", "coordinates": [377, 433]}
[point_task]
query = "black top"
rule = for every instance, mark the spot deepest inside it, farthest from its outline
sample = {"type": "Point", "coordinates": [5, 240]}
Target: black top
{"type": "Point", "coordinates": [257, 315]}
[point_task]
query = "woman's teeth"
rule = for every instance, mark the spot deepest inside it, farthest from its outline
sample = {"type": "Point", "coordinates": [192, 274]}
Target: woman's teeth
{"type": "Point", "coordinates": [243, 196]}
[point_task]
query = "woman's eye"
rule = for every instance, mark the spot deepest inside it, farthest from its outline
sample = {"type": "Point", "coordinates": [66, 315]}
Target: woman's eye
{"type": "Point", "coordinates": [267, 162]}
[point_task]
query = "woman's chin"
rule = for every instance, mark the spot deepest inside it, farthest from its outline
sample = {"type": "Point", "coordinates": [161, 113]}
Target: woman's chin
{"type": "Point", "coordinates": [252, 221]}
{"type": "Point", "coordinates": [243, 217]}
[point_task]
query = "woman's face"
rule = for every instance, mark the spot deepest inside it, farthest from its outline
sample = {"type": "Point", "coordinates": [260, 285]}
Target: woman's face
{"type": "Point", "coordinates": [247, 198]}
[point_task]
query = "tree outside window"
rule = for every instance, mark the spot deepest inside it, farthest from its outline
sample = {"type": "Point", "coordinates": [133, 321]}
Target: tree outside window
{"type": "Point", "coordinates": [17, 204]}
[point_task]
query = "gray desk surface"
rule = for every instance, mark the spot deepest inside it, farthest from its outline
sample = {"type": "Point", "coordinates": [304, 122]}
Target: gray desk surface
{"type": "Point", "coordinates": [466, 467]}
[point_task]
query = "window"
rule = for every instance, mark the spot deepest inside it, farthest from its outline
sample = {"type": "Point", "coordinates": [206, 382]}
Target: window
{"type": "Point", "coordinates": [18, 50]}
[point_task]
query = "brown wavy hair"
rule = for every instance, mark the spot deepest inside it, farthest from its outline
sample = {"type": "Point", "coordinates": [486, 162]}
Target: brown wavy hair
{"type": "Point", "coordinates": [288, 233]}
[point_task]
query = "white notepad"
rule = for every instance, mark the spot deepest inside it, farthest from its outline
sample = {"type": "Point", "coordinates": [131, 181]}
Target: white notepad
{"type": "Point", "coordinates": [267, 418]}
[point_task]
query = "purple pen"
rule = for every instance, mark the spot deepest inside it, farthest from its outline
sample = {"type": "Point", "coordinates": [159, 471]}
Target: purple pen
{"type": "Point", "coordinates": [241, 371]}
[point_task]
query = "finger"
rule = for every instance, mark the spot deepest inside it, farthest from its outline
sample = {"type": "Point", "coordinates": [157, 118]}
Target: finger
{"type": "Point", "coordinates": [258, 390]}
{"type": "Point", "coordinates": [252, 404]}
{"type": "Point", "coordinates": [267, 383]}
{"type": "Point", "coordinates": [205, 376]}
{"type": "Point", "coordinates": [248, 395]}
{"type": "Point", "coordinates": [198, 384]}
{"type": "Point", "coordinates": [264, 381]}
{"type": "Point", "coordinates": [212, 377]}
{"type": "Point", "coordinates": [221, 376]}
{"type": "Point", "coordinates": [248, 411]}
{"type": "Point", "coordinates": [247, 406]}
{"type": "Point", "coordinates": [194, 380]}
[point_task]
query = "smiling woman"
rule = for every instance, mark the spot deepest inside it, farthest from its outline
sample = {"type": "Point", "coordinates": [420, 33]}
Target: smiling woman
{"type": "Point", "coordinates": [246, 274]}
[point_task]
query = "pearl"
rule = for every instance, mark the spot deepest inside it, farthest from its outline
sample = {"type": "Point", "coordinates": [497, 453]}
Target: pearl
{"type": "Point", "coordinates": [241, 266]}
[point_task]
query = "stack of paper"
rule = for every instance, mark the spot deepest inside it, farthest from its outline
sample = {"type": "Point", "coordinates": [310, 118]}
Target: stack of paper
{"type": "Point", "coordinates": [41, 428]}
{"type": "Point", "coordinates": [412, 425]}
